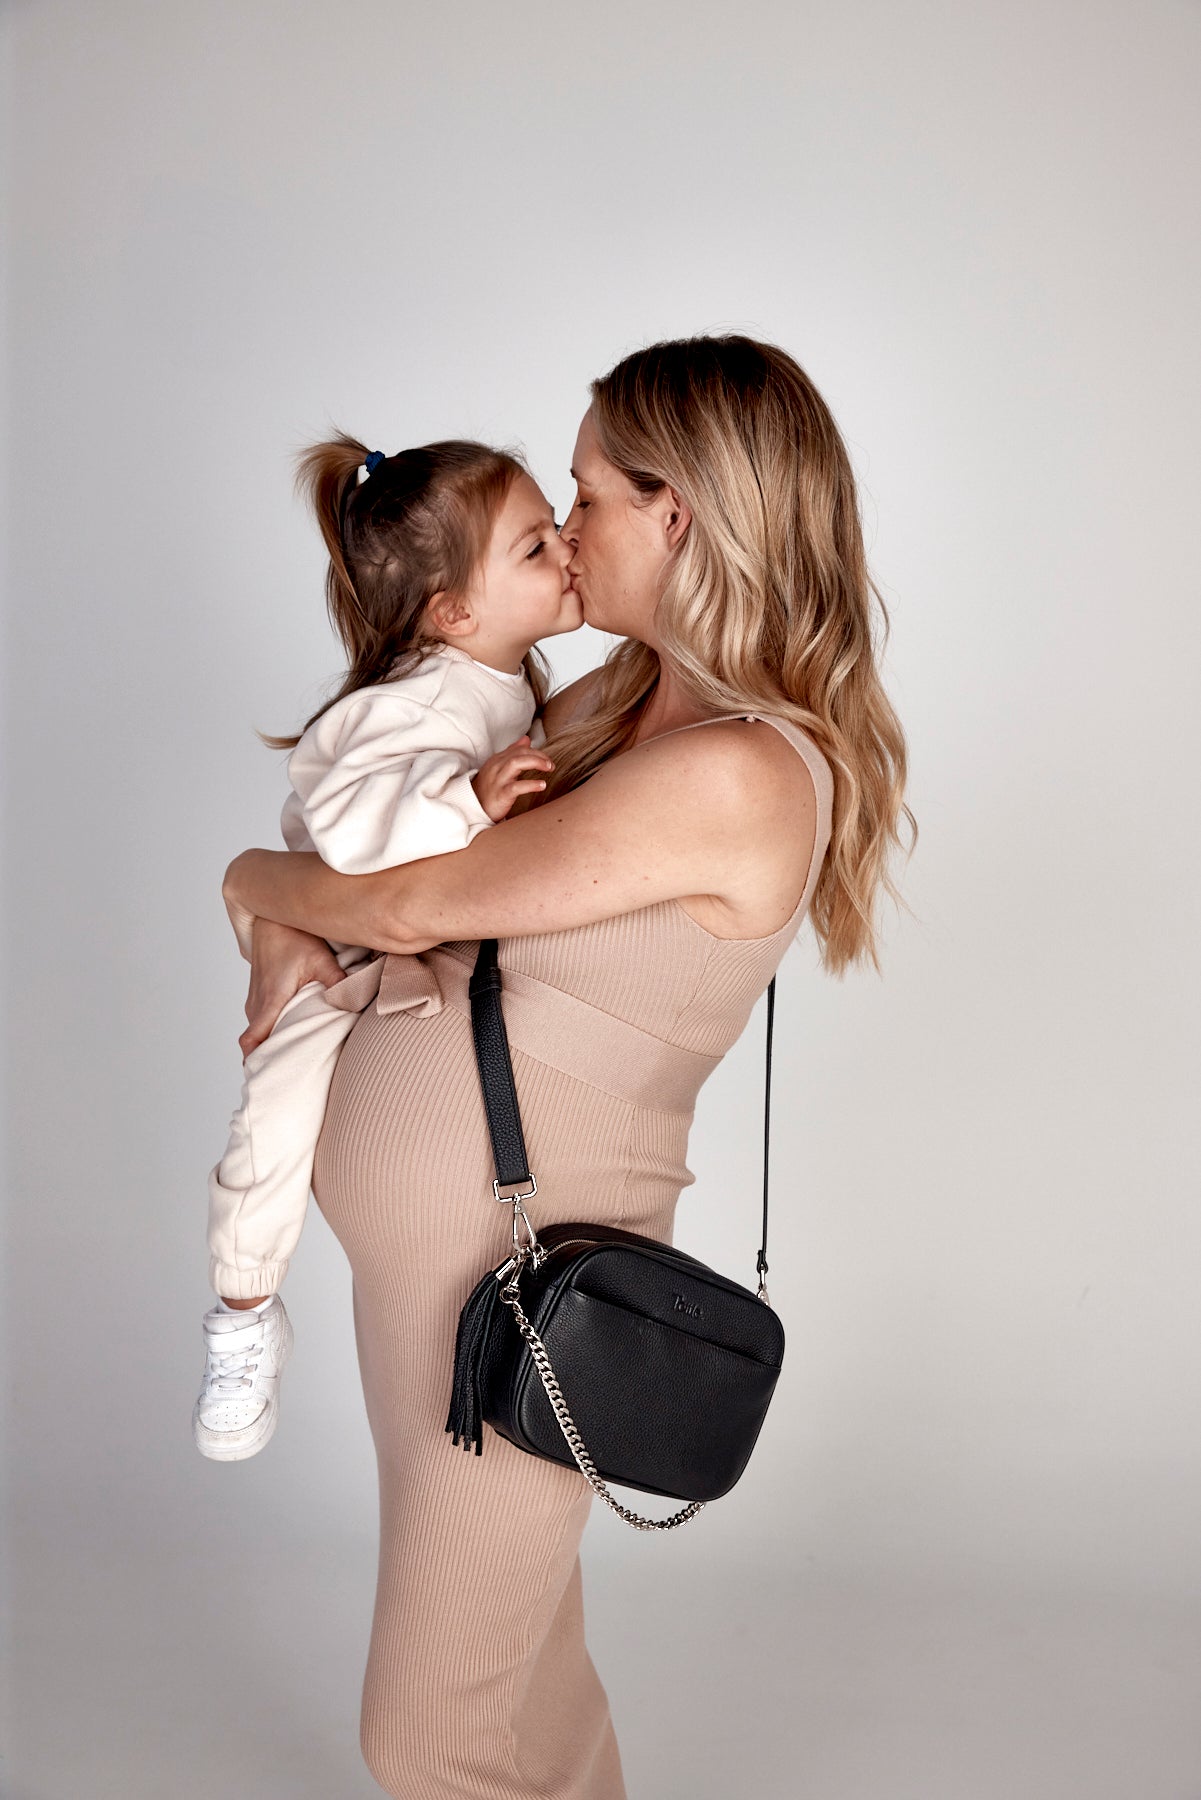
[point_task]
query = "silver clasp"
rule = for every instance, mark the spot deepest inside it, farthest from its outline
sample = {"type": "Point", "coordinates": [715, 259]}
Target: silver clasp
{"type": "Point", "coordinates": [530, 1235]}
{"type": "Point", "coordinates": [509, 1273]}
{"type": "Point", "coordinates": [525, 1238]}
{"type": "Point", "coordinates": [519, 1212]}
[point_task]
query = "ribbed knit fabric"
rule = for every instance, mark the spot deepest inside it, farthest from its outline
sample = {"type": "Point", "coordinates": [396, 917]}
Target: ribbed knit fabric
{"type": "Point", "coordinates": [478, 1681]}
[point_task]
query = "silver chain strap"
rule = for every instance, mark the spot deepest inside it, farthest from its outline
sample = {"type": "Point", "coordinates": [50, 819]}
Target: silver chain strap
{"type": "Point", "coordinates": [575, 1443]}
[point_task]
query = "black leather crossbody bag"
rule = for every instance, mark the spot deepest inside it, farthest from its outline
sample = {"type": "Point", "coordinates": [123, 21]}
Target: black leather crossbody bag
{"type": "Point", "coordinates": [667, 1366]}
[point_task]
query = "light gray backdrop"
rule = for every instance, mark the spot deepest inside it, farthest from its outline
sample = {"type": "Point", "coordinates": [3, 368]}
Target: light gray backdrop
{"type": "Point", "coordinates": [963, 1563]}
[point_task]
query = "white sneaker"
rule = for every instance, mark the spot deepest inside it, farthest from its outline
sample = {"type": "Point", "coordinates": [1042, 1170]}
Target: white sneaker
{"type": "Point", "coordinates": [238, 1408]}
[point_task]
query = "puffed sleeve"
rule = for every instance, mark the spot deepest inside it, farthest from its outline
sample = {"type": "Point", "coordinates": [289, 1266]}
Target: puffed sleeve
{"type": "Point", "coordinates": [383, 780]}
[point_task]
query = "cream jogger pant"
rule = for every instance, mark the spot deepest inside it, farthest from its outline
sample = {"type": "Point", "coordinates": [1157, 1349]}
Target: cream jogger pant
{"type": "Point", "coordinates": [259, 1191]}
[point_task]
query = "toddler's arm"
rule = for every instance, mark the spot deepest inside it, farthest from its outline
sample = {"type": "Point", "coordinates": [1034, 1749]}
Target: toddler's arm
{"type": "Point", "coordinates": [388, 781]}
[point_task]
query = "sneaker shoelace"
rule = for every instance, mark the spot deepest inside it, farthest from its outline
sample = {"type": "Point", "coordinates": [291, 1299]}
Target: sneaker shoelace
{"type": "Point", "coordinates": [231, 1371]}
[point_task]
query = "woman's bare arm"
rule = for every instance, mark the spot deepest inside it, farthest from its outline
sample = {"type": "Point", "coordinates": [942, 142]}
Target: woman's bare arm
{"type": "Point", "coordinates": [723, 812]}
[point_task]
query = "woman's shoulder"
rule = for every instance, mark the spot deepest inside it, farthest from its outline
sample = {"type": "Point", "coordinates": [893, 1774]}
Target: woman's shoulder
{"type": "Point", "coordinates": [729, 808]}
{"type": "Point", "coordinates": [742, 785]}
{"type": "Point", "coordinates": [762, 775]}
{"type": "Point", "coordinates": [740, 763]}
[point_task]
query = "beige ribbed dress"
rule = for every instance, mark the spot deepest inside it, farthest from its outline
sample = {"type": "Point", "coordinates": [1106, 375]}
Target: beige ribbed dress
{"type": "Point", "coordinates": [478, 1681]}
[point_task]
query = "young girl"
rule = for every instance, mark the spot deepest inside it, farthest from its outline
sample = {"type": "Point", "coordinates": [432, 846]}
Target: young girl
{"type": "Point", "coordinates": [445, 567]}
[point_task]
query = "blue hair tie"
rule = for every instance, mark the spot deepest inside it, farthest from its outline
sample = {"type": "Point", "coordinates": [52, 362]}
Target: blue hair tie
{"type": "Point", "coordinates": [374, 460]}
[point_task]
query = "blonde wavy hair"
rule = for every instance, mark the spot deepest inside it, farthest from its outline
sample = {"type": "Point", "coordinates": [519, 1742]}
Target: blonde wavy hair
{"type": "Point", "coordinates": [767, 605]}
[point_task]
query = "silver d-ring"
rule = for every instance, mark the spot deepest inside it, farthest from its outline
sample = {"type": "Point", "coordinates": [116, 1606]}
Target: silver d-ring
{"type": "Point", "coordinates": [528, 1195]}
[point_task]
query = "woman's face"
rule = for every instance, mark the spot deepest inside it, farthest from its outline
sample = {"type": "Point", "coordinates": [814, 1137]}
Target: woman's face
{"type": "Point", "coordinates": [620, 543]}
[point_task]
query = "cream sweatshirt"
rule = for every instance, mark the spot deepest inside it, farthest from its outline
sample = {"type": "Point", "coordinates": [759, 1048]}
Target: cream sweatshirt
{"type": "Point", "coordinates": [384, 776]}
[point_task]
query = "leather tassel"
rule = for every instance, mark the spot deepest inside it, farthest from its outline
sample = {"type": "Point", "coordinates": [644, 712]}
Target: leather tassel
{"type": "Point", "coordinates": [465, 1419]}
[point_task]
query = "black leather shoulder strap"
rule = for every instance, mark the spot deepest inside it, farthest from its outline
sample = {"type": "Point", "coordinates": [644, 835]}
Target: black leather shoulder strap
{"type": "Point", "coordinates": [500, 1094]}
{"type": "Point", "coordinates": [761, 1260]}
{"type": "Point", "coordinates": [496, 1067]}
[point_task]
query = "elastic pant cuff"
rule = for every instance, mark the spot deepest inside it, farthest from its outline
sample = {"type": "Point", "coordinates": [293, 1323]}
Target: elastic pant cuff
{"type": "Point", "coordinates": [245, 1284]}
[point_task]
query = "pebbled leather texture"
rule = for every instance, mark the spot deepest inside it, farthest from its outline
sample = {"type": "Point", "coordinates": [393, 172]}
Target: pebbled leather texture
{"type": "Point", "coordinates": [666, 1366]}
{"type": "Point", "coordinates": [496, 1068]}
{"type": "Point", "coordinates": [666, 1400]}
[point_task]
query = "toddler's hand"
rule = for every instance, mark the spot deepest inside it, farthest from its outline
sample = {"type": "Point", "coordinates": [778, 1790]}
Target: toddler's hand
{"type": "Point", "coordinates": [284, 961]}
{"type": "Point", "coordinates": [498, 782]}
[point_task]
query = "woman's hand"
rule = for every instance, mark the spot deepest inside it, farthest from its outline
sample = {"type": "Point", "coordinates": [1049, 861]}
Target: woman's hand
{"type": "Point", "coordinates": [282, 961]}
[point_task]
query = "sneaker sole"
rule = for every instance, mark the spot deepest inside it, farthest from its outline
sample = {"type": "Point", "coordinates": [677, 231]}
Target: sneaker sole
{"type": "Point", "coordinates": [211, 1444]}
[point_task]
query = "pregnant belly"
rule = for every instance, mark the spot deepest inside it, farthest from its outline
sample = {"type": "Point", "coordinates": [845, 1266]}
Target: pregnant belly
{"type": "Point", "coordinates": [403, 1170]}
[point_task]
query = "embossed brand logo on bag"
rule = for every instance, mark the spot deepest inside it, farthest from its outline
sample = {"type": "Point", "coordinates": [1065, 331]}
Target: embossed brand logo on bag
{"type": "Point", "coordinates": [692, 1308]}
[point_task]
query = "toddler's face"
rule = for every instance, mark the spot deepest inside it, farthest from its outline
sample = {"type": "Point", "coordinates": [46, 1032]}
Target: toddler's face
{"type": "Point", "coordinates": [523, 590]}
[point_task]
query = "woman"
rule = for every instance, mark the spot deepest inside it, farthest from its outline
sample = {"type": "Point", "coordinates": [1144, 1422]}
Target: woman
{"type": "Point", "coordinates": [642, 901]}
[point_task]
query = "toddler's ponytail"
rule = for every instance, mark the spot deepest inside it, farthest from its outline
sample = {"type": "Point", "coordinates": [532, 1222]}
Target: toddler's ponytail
{"type": "Point", "coordinates": [327, 474]}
